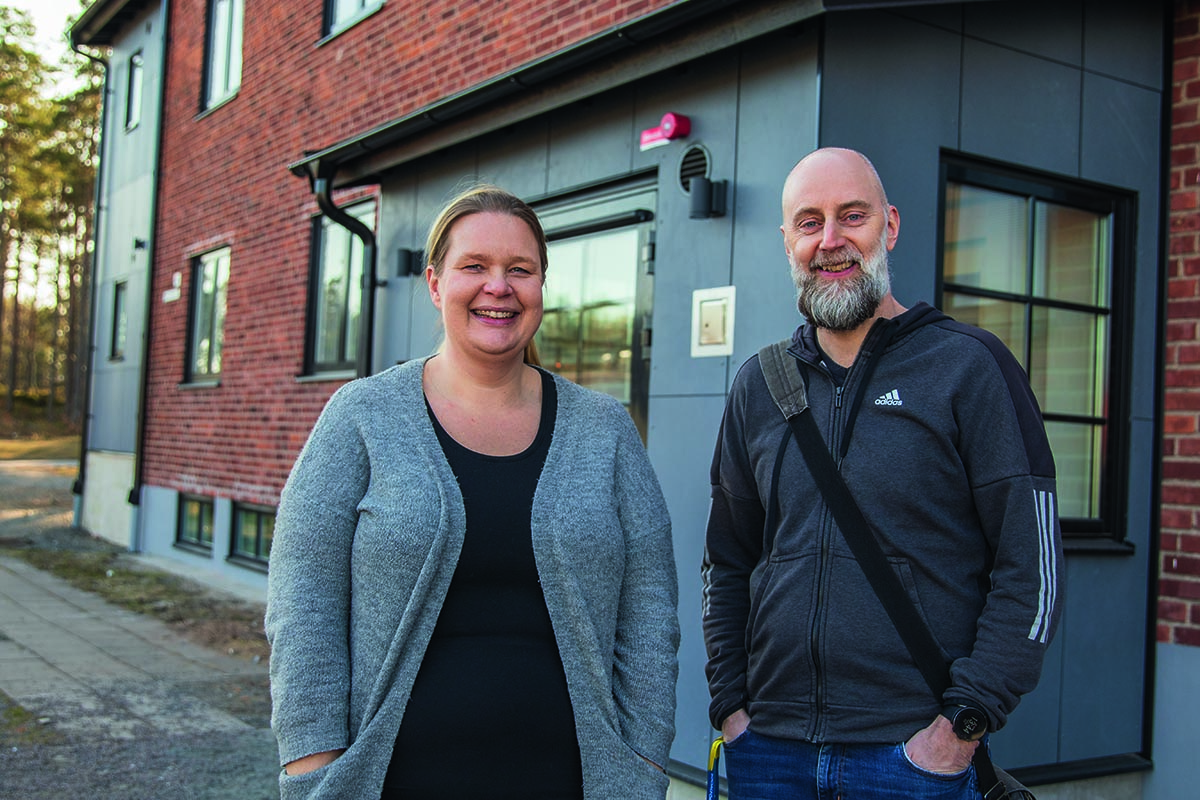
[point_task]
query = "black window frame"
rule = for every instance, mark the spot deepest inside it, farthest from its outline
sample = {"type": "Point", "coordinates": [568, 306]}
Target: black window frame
{"type": "Point", "coordinates": [120, 321]}
{"type": "Point", "coordinates": [195, 543]}
{"type": "Point", "coordinates": [1121, 206]}
{"type": "Point", "coordinates": [191, 374]}
{"type": "Point", "coordinates": [348, 349]}
{"type": "Point", "coordinates": [256, 559]}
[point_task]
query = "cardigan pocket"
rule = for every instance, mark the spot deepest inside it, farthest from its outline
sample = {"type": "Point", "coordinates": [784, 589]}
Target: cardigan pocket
{"type": "Point", "coordinates": [299, 787]}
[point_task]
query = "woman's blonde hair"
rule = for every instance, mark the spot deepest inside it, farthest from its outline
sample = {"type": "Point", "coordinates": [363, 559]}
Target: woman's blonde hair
{"type": "Point", "coordinates": [479, 199]}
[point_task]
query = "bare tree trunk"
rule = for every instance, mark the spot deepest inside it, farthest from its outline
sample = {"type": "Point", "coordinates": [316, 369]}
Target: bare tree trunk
{"type": "Point", "coordinates": [78, 319]}
{"type": "Point", "coordinates": [31, 341]}
{"type": "Point", "coordinates": [55, 357]}
{"type": "Point", "coordinates": [14, 353]}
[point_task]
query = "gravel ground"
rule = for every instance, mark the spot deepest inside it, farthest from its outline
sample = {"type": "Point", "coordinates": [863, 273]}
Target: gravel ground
{"type": "Point", "coordinates": [133, 761]}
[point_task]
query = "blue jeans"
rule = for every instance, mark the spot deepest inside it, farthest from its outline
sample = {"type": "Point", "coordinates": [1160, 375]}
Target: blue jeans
{"type": "Point", "coordinates": [765, 768]}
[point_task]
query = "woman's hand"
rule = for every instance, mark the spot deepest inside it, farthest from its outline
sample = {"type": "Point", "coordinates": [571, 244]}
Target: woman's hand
{"type": "Point", "coordinates": [311, 763]}
{"type": "Point", "coordinates": [651, 763]}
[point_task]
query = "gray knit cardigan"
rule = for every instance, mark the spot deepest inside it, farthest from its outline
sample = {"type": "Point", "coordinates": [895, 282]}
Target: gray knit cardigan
{"type": "Point", "coordinates": [369, 529]}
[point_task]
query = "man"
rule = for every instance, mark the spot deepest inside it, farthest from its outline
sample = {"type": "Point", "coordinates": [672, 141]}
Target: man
{"type": "Point", "coordinates": [936, 432]}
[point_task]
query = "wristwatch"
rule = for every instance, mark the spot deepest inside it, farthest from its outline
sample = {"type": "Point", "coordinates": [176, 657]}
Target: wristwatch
{"type": "Point", "coordinates": [970, 723]}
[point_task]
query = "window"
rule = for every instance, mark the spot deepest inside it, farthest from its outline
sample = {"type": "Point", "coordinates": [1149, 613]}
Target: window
{"type": "Point", "coordinates": [120, 322]}
{"type": "Point", "coordinates": [1037, 261]}
{"type": "Point", "coordinates": [335, 292]}
{"type": "Point", "coordinates": [223, 54]}
{"type": "Point", "coordinates": [253, 530]}
{"type": "Point", "coordinates": [133, 94]}
{"type": "Point", "coordinates": [210, 277]}
{"type": "Point", "coordinates": [341, 14]}
{"type": "Point", "coordinates": [195, 526]}
{"type": "Point", "coordinates": [598, 295]}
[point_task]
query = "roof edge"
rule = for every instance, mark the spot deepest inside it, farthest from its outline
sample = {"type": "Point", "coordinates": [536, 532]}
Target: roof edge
{"type": "Point", "coordinates": [530, 76]}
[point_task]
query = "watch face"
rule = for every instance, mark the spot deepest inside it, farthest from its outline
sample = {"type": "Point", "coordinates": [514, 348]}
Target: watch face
{"type": "Point", "coordinates": [970, 724]}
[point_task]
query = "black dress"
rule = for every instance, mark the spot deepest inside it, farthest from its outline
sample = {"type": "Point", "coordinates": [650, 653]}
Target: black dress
{"type": "Point", "coordinates": [489, 715]}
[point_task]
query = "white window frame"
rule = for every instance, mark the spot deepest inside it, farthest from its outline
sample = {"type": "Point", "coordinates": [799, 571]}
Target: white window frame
{"type": "Point", "coordinates": [223, 54]}
{"type": "Point", "coordinates": [206, 329]}
{"type": "Point", "coordinates": [343, 14]}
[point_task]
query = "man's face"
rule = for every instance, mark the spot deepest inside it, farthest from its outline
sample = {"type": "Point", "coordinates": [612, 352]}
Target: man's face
{"type": "Point", "coordinates": [837, 232]}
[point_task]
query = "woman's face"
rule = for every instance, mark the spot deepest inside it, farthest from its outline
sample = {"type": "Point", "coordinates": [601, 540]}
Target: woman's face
{"type": "Point", "coordinates": [490, 287]}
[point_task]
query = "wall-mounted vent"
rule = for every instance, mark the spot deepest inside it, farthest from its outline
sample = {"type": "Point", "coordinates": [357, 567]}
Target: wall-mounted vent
{"type": "Point", "coordinates": [694, 164]}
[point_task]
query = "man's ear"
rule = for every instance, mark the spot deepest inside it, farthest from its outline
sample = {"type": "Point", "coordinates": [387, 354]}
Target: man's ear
{"type": "Point", "coordinates": [893, 226]}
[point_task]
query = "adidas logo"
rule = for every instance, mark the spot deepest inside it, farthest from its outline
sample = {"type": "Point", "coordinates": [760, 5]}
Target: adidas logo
{"type": "Point", "coordinates": [892, 398]}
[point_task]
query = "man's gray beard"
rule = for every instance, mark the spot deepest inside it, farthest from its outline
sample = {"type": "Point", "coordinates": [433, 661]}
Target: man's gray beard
{"type": "Point", "coordinates": [837, 306]}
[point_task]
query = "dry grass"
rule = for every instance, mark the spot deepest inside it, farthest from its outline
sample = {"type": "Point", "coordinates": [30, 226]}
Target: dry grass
{"type": "Point", "coordinates": [19, 728]}
{"type": "Point", "coordinates": [55, 448]}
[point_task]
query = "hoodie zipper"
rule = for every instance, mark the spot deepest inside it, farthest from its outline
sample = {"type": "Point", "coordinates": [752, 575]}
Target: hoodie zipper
{"type": "Point", "coordinates": [876, 342]}
{"type": "Point", "coordinates": [823, 572]}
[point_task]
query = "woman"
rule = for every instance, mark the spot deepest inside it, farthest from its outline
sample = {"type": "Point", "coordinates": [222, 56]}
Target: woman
{"type": "Point", "coordinates": [472, 590]}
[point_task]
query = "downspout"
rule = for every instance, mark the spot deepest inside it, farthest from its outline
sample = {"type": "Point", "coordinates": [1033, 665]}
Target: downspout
{"type": "Point", "coordinates": [89, 350]}
{"type": "Point", "coordinates": [322, 188]}
{"type": "Point", "coordinates": [134, 499]}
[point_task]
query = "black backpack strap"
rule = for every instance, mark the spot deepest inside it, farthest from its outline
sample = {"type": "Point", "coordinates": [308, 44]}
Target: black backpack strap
{"type": "Point", "coordinates": [783, 379]}
{"type": "Point", "coordinates": [787, 390]}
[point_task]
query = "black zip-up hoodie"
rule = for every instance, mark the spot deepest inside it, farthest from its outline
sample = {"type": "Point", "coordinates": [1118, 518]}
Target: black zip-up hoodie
{"type": "Point", "coordinates": [940, 439]}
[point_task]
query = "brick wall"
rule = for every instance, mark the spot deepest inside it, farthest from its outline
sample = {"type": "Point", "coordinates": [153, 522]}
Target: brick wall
{"type": "Point", "coordinates": [1179, 576]}
{"type": "Point", "coordinates": [225, 183]}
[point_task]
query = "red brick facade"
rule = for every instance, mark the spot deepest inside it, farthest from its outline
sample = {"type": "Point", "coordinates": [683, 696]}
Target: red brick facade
{"type": "Point", "coordinates": [225, 183]}
{"type": "Point", "coordinates": [1179, 576]}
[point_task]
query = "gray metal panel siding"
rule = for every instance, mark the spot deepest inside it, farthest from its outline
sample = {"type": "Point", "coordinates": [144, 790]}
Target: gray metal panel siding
{"type": "Point", "coordinates": [1177, 707]}
{"type": "Point", "coordinates": [128, 183]}
{"type": "Point", "coordinates": [515, 157]}
{"type": "Point", "coordinates": [1056, 36]}
{"type": "Point", "coordinates": [890, 89]}
{"type": "Point", "coordinates": [1103, 675]}
{"type": "Point", "coordinates": [691, 253]}
{"type": "Point", "coordinates": [396, 229]}
{"type": "Point", "coordinates": [777, 112]}
{"type": "Point", "coordinates": [1019, 108]}
{"type": "Point", "coordinates": [682, 433]}
{"type": "Point", "coordinates": [601, 127]}
{"type": "Point", "coordinates": [948, 16]}
{"type": "Point", "coordinates": [1119, 145]}
{"type": "Point", "coordinates": [1032, 734]}
{"type": "Point", "coordinates": [1124, 40]}
{"type": "Point", "coordinates": [114, 387]}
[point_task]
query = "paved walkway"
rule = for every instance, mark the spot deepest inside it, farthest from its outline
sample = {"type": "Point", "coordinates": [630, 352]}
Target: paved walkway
{"type": "Point", "coordinates": [124, 706]}
{"type": "Point", "coordinates": [89, 667]}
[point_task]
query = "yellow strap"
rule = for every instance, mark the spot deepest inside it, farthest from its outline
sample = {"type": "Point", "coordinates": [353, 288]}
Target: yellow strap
{"type": "Point", "coordinates": [712, 751]}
